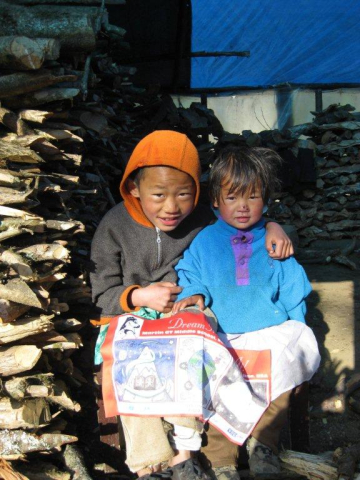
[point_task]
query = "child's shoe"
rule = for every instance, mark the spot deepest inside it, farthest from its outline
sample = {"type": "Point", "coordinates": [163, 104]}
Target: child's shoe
{"type": "Point", "coordinates": [262, 460]}
{"type": "Point", "coordinates": [189, 470]}
{"type": "Point", "coordinates": [227, 472]}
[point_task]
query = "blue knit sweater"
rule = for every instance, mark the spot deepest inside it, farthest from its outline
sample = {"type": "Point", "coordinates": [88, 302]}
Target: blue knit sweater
{"type": "Point", "coordinates": [246, 289]}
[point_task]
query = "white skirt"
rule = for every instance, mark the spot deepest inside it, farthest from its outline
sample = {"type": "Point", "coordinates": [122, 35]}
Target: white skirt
{"type": "Point", "coordinates": [294, 352]}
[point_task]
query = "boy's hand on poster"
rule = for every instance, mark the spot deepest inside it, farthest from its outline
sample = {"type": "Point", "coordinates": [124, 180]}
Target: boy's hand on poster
{"type": "Point", "coordinates": [188, 302]}
{"type": "Point", "coordinates": [159, 296]}
{"type": "Point", "coordinates": [278, 244]}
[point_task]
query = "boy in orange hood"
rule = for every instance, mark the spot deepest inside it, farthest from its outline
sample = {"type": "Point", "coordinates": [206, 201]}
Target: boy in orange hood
{"type": "Point", "coordinates": [134, 251]}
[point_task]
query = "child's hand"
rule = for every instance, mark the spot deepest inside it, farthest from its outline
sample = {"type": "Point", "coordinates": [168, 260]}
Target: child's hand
{"type": "Point", "coordinates": [158, 296]}
{"type": "Point", "coordinates": [276, 237]}
{"type": "Point", "coordinates": [188, 302]}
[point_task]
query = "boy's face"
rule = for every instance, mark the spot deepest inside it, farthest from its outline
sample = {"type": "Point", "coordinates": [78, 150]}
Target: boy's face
{"type": "Point", "coordinates": [167, 196]}
{"type": "Point", "coordinates": [241, 211]}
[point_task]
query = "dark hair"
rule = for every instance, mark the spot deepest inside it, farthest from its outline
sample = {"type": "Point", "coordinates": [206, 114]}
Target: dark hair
{"type": "Point", "coordinates": [246, 168]}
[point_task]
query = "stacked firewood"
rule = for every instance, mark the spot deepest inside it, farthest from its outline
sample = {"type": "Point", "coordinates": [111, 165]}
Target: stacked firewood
{"type": "Point", "coordinates": [69, 119]}
{"type": "Point", "coordinates": [329, 208]}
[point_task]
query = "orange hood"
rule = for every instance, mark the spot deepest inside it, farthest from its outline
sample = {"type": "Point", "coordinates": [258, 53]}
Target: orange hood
{"type": "Point", "coordinates": [160, 148]}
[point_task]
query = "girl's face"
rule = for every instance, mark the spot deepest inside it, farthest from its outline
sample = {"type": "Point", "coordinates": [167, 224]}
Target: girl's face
{"type": "Point", "coordinates": [239, 210]}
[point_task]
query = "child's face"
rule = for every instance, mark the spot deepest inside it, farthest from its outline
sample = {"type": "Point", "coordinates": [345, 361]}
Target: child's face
{"type": "Point", "coordinates": [167, 196]}
{"type": "Point", "coordinates": [241, 211]}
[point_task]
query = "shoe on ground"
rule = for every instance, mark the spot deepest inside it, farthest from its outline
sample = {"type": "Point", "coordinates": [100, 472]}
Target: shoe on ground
{"type": "Point", "coordinates": [189, 470]}
{"type": "Point", "coordinates": [262, 460]}
{"type": "Point", "coordinates": [227, 472]}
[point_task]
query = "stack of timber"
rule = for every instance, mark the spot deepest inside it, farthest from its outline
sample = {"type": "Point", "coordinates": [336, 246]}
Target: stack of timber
{"type": "Point", "coordinates": [328, 209]}
{"type": "Point", "coordinates": [69, 119]}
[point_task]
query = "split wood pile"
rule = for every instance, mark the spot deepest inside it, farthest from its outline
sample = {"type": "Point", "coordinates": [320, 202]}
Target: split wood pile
{"type": "Point", "coordinates": [69, 119]}
{"type": "Point", "coordinates": [330, 208]}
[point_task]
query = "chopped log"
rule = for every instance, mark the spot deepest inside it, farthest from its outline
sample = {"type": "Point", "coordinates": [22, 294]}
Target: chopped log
{"type": "Point", "coordinates": [58, 134]}
{"type": "Point", "coordinates": [10, 311]}
{"type": "Point", "coordinates": [18, 358]}
{"type": "Point", "coordinates": [16, 262]}
{"type": "Point", "coordinates": [30, 413]}
{"type": "Point", "coordinates": [9, 180]}
{"type": "Point", "coordinates": [19, 388]}
{"type": "Point", "coordinates": [9, 196]}
{"type": "Point", "coordinates": [74, 30]}
{"type": "Point", "coordinates": [18, 291]}
{"type": "Point", "coordinates": [21, 83]}
{"type": "Point", "coordinates": [61, 397]}
{"type": "Point", "coordinates": [20, 53]}
{"type": "Point", "coordinates": [67, 325]}
{"type": "Point", "coordinates": [18, 154]}
{"type": "Point", "coordinates": [41, 97]}
{"type": "Point", "coordinates": [320, 467]}
{"type": "Point", "coordinates": [36, 116]}
{"type": "Point", "coordinates": [72, 341]}
{"type": "Point", "coordinates": [13, 122]}
{"type": "Point", "coordinates": [44, 252]}
{"type": "Point", "coordinates": [14, 444]}
{"type": "Point", "coordinates": [25, 327]}
{"type": "Point", "coordinates": [74, 461]}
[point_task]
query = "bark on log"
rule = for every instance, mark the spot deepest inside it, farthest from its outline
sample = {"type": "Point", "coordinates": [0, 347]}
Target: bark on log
{"type": "Point", "coordinates": [41, 97]}
{"type": "Point", "coordinates": [25, 82]}
{"type": "Point", "coordinates": [25, 327]}
{"type": "Point", "coordinates": [17, 359]}
{"type": "Point", "coordinates": [20, 53]}
{"type": "Point", "coordinates": [74, 31]}
{"type": "Point", "coordinates": [30, 413]}
{"type": "Point", "coordinates": [14, 444]}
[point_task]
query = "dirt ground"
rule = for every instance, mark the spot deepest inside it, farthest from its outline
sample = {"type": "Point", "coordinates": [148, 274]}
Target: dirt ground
{"type": "Point", "coordinates": [333, 313]}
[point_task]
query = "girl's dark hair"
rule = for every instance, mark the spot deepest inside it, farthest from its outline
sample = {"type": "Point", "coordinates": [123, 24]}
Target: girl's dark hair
{"type": "Point", "coordinates": [245, 168]}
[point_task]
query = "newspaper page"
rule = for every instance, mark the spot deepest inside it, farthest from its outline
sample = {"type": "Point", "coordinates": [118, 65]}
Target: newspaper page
{"type": "Point", "coordinates": [179, 366]}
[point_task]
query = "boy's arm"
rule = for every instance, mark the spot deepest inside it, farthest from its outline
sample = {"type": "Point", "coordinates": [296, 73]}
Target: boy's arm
{"type": "Point", "coordinates": [294, 288]}
{"type": "Point", "coordinates": [275, 236]}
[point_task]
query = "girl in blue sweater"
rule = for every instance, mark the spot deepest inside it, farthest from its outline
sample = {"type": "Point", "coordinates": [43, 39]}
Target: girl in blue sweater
{"type": "Point", "coordinates": [259, 302]}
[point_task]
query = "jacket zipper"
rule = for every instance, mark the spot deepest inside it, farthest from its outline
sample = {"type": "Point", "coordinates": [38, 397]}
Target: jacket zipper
{"type": "Point", "coordinates": [158, 241]}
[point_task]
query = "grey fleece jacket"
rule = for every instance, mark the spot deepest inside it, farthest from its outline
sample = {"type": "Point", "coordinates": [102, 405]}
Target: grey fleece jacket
{"type": "Point", "coordinates": [125, 253]}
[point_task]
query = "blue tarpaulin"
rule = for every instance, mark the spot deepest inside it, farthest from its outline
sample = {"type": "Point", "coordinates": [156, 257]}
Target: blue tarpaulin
{"type": "Point", "coordinates": [290, 41]}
